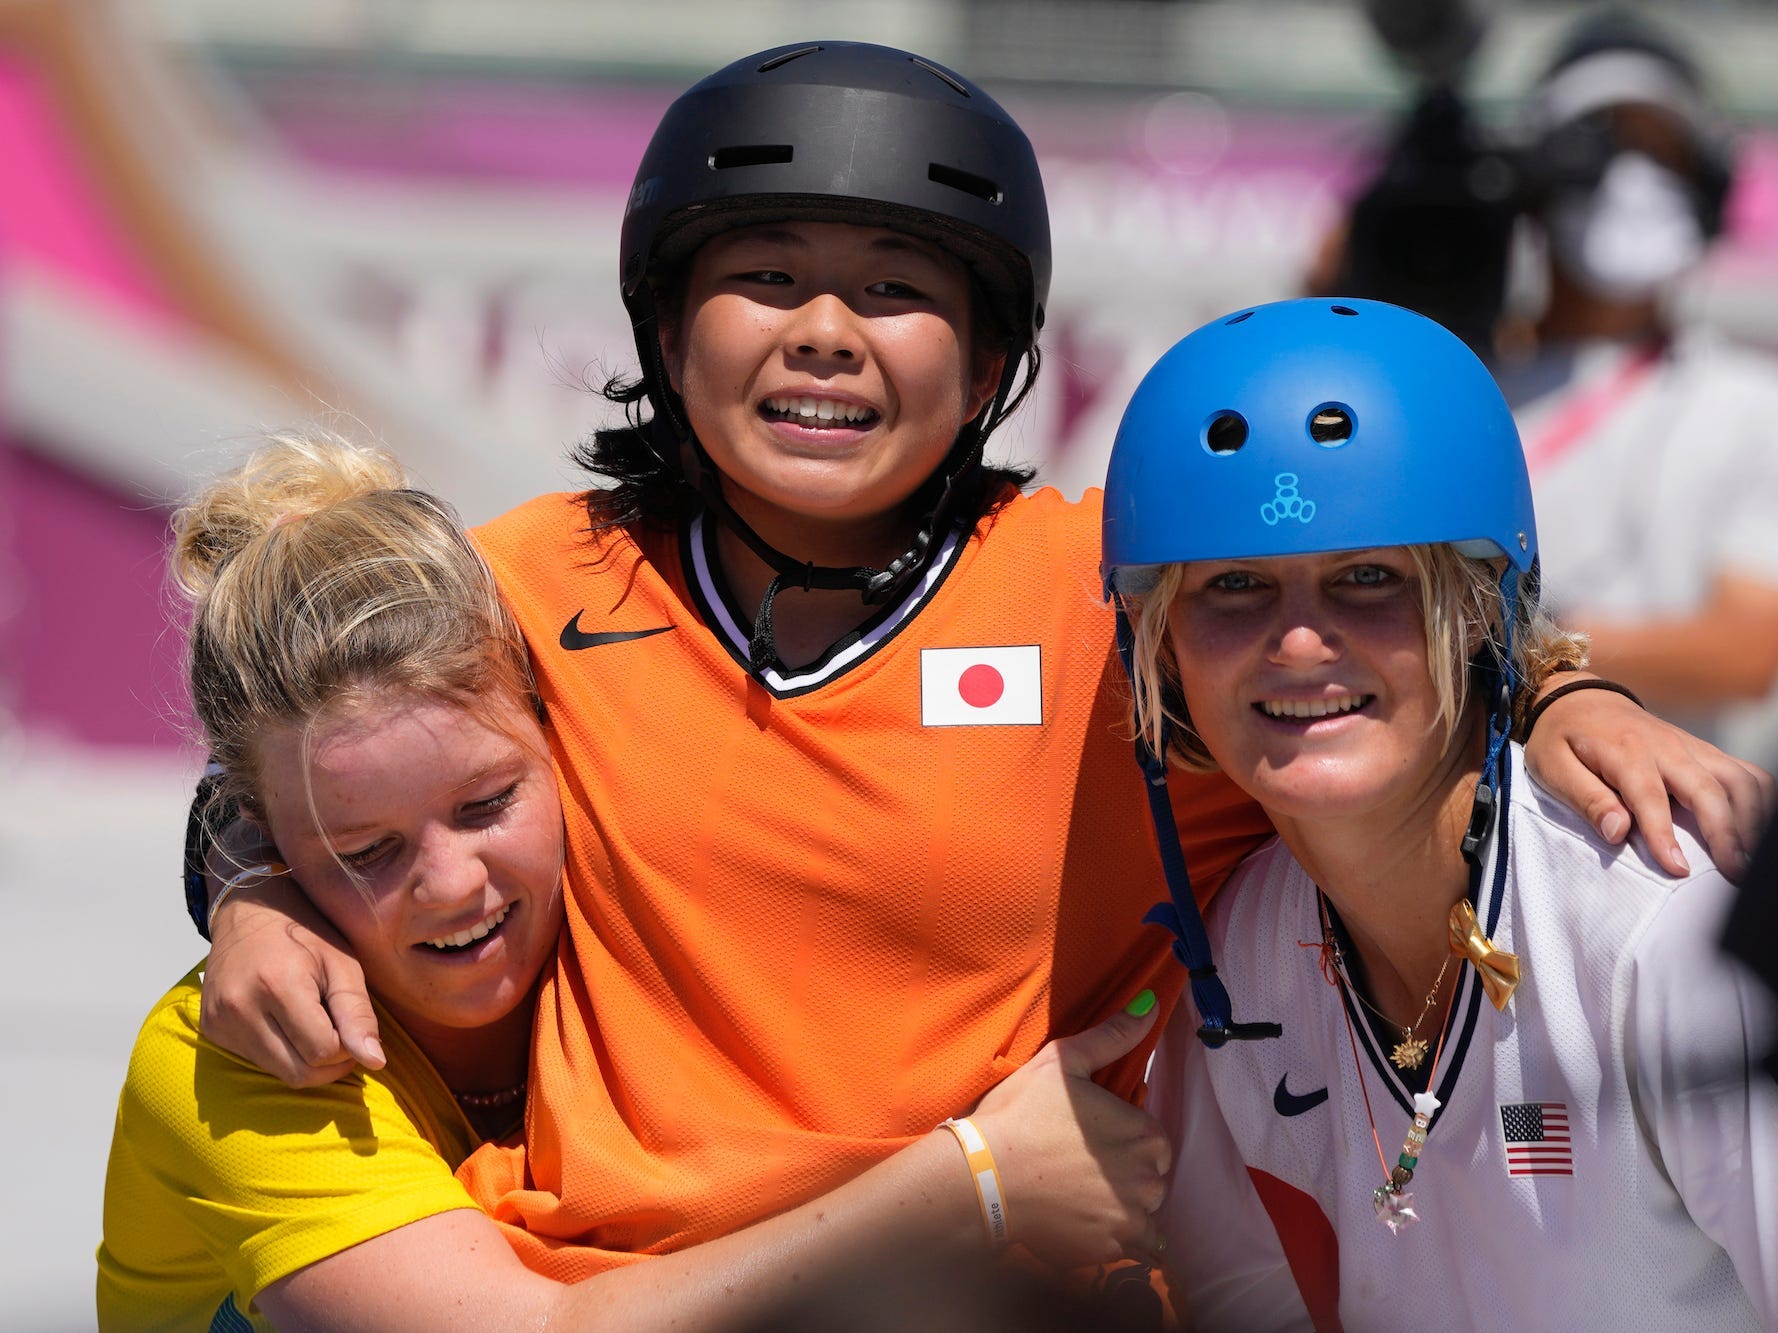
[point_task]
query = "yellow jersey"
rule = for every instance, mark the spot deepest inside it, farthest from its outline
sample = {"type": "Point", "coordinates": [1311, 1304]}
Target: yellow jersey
{"type": "Point", "coordinates": [222, 1180]}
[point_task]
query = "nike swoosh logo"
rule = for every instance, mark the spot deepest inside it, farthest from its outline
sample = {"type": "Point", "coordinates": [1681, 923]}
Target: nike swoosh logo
{"type": "Point", "coordinates": [1286, 1102]}
{"type": "Point", "coordinates": [574, 638]}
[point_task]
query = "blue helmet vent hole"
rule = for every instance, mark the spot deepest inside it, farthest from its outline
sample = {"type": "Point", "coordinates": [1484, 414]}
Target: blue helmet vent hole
{"type": "Point", "coordinates": [1342, 310]}
{"type": "Point", "coordinates": [1237, 319]}
{"type": "Point", "coordinates": [1226, 433]}
{"type": "Point", "coordinates": [1331, 425]}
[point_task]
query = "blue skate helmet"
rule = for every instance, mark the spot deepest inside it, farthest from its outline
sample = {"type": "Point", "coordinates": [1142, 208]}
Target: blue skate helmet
{"type": "Point", "coordinates": [1305, 427]}
{"type": "Point", "coordinates": [1311, 426]}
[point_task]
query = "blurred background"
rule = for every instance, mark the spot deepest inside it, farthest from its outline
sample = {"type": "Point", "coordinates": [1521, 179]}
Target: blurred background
{"type": "Point", "coordinates": [399, 217]}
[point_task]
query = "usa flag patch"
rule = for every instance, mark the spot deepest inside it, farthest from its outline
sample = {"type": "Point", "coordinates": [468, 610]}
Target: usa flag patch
{"type": "Point", "coordinates": [1537, 1139]}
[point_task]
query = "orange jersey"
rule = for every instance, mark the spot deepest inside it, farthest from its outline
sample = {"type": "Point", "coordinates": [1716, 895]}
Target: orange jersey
{"type": "Point", "coordinates": [810, 915]}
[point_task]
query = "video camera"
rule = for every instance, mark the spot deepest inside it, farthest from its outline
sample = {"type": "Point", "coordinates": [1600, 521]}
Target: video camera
{"type": "Point", "coordinates": [1433, 229]}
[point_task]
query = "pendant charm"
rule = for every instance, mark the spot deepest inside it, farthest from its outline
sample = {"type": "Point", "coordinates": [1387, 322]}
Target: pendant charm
{"type": "Point", "coordinates": [1409, 1052]}
{"type": "Point", "coordinates": [1394, 1208]}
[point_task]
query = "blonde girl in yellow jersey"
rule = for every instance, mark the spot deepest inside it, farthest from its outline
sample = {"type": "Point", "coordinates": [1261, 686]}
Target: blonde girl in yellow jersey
{"type": "Point", "coordinates": [368, 702]}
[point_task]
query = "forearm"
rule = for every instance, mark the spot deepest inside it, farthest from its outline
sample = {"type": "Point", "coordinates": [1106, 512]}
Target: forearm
{"type": "Point", "coordinates": [920, 1195]}
{"type": "Point", "coordinates": [1081, 1172]}
{"type": "Point", "coordinates": [455, 1270]}
{"type": "Point", "coordinates": [1690, 663]}
{"type": "Point", "coordinates": [1724, 652]}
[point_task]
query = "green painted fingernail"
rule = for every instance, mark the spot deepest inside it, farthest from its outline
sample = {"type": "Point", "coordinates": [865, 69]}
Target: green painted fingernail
{"type": "Point", "coordinates": [1139, 1007]}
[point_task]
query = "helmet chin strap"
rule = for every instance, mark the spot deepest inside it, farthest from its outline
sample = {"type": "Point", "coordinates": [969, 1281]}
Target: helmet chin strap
{"type": "Point", "coordinates": [1496, 675]}
{"type": "Point", "coordinates": [874, 586]}
{"type": "Point", "coordinates": [1179, 914]}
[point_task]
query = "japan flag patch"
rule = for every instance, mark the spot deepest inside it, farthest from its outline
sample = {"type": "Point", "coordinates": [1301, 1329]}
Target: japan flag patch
{"type": "Point", "coordinates": [981, 687]}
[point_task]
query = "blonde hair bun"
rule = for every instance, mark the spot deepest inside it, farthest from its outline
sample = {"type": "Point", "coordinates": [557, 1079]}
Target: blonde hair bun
{"type": "Point", "coordinates": [318, 576]}
{"type": "Point", "coordinates": [292, 476]}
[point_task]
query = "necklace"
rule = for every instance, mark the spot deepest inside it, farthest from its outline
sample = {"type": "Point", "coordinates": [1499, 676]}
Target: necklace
{"type": "Point", "coordinates": [1410, 1051]}
{"type": "Point", "coordinates": [490, 1101]}
{"type": "Point", "coordinates": [1391, 1201]}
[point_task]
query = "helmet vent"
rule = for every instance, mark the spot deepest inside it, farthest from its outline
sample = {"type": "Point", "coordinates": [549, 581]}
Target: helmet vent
{"type": "Point", "coordinates": [1241, 318]}
{"type": "Point", "coordinates": [1342, 310]}
{"type": "Point", "coordinates": [786, 58]}
{"type": "Point", "coordinates": [1226, 432]}
{"type": "Point", "coordinates": [1330, 425]}
{"type": "Point", "coordinates": [940, 74]}
{"type": "Point", "coordinates": [751, 155]}
{"type": "Point", "coordinates": [967, 181]}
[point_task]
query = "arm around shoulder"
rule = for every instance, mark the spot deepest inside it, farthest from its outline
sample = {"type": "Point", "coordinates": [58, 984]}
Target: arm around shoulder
{"type": "Point", "coordinates": [1081, 1170]}
{"type": "Point", "coordinates": [456, 1271]}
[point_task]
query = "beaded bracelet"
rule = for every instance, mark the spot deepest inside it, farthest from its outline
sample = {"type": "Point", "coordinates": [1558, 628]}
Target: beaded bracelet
{"type": "Point", "coordinates": [1591, 683]}
{"type": "Point", "coordinates": [986, 1177]}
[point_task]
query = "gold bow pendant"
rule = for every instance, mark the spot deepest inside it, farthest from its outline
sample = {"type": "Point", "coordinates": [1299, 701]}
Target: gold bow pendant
{"type": "Point", "coordinates": [1498, 969]}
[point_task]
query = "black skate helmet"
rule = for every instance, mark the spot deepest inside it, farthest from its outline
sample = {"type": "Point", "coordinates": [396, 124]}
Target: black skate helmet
{"type": "Point", "coordinates": [840, 132]}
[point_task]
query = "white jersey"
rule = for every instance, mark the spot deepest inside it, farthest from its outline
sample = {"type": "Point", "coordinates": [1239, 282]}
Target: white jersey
{"type": "Point", "coordinates": [1652, 476]}
{"type": "Point", "coordinates": [1603, 1157]}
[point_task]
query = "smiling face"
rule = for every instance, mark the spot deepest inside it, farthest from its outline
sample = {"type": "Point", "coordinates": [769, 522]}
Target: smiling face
{"type": "Point", "coordinates": [1306, 678]}
{"type": "Point", "coordinates": [826, 368]}
{"type": "Point", "coordinates": [433, 842]}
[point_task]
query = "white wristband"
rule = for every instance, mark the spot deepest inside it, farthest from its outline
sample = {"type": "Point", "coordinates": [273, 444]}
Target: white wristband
{"type": "Point", "coordinates": [265, 870]}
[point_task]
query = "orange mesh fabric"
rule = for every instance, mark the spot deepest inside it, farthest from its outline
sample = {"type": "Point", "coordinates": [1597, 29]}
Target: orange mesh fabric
{"type": "Point", "coordinates": [803, 929]}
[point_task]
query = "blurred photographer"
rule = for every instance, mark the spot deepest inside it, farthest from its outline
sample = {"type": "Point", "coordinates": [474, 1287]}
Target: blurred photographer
{"type": "Point", "coordinates": [1433, 227]}
{"type": "Point", "coordinates": [1651, 446]}
{"type": "Point", "coordinates": [1653, 449]}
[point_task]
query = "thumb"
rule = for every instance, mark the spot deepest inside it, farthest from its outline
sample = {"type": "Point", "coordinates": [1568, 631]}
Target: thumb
{"type": "Point", "coordinates": [1087, 1052]}
{"type": "Point", "coordinates": [348, 1004]}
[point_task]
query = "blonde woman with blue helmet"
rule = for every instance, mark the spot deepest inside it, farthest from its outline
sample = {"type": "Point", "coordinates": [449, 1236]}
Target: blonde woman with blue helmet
{"type": "Point", "coordinates": [1503, 1077]}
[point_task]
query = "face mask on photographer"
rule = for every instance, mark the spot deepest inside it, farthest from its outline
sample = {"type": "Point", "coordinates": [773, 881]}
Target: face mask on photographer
{"type": "Point", "coordinates": [1630, 235]}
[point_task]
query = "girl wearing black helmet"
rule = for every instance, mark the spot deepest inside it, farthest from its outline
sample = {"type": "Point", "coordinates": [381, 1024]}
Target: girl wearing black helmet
{"type": "Point", "coordinates": [848, 807]}
{"type": "Point", "coordinates": [1512, 1081]}
{"type": "Point", "coordinates": [809, 136]}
